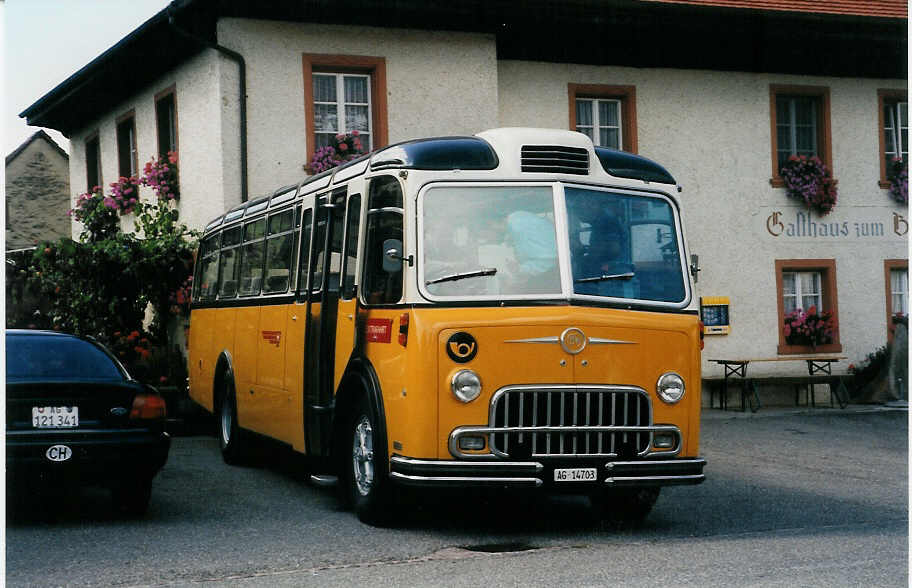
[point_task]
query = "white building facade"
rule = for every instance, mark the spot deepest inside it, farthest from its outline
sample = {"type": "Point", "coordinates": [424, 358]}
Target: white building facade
{"type": "Point", "coordinates": [712, 123]}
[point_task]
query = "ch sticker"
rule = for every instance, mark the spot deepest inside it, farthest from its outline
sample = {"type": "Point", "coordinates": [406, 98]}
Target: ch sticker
{"type": "Point", "coordinates": [461, 347]}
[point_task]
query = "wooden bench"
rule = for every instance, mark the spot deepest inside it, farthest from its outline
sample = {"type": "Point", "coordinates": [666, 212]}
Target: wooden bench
{"type": "Point", "coordinates": [819, 372]}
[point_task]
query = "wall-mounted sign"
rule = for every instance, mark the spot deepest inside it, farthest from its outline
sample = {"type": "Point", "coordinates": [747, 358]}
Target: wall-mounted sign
{"type": "Point", "coordinates": [714, 314]}
{"type": "Point", "coordinates": [860, 225]}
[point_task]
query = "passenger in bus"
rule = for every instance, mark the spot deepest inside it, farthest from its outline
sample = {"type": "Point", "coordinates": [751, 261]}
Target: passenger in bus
{"type": "Point", "coordinates": [533, 241]}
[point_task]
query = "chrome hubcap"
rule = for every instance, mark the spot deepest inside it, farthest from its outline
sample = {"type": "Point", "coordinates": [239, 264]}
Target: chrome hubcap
{"type": "Point", "coordinates": [226, 423]}
{"type": "Point", "coordinates": [363, 456]}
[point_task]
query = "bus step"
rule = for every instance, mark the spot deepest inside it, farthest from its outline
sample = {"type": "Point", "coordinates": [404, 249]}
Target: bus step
{"type": "Point", "coordinates": [324, 480]}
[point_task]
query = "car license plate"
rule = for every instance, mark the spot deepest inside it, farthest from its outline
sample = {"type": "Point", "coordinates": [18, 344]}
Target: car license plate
{"type": "Point", "coordinates": [575, 475]}
{"type": "Point", "coordinates": [55, 417]}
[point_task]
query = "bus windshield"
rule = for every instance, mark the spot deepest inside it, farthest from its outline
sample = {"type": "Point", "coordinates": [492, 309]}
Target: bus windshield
{"type": "Point", "coordinates": [501, 241]}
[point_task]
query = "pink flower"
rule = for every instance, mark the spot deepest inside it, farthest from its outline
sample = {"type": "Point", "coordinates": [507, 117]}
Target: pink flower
{"type": "Point", "coordinates": [355, 133]}
{"type": "Point", "coordinates": [343, 147]}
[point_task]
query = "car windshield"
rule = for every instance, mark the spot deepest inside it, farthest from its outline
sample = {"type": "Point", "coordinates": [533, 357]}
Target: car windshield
{"type": "Point", "coordinates": [501, 241]}
{"type": "Point", "coordinates": [490, 241]}
{"type": "Point", "coordinates": [46, 358]}
{"type": "Point", "coordinates": [624, 246]}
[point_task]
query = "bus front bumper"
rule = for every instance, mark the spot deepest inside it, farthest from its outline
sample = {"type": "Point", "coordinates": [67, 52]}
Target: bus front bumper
{"type": "Point", "coordinates": [536, 474]}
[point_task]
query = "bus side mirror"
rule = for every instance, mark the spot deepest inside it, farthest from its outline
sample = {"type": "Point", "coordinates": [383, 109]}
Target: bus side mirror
{"type": "Point", "coordinates": [392, 256]}
{"type": "Point", "coordinates": [695, 266]}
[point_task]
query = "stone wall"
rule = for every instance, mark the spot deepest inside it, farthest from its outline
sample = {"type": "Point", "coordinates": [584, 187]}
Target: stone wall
{"type": "Point", "coordinates": [37, 194]}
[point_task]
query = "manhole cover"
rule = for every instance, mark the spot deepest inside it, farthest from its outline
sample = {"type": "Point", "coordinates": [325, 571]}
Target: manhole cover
{"type": "Point", "coordinates": [500, 547]}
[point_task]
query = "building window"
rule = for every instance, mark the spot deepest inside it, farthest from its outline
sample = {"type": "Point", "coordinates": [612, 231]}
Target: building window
{"type": "Point", "coordinates": [800, 125]}
{"type": "Point", "coordinates": [801, 290]}
{"type": "Point", "coordinates": [893, 115]}
{"type": "Point", "coordinates": [344, 93]}
{"type": "Point", "coordinates": [93, 162]}
{"type": "Point", "coordinates": [127, 162]}
{"type": "Point", "coordinates": [166, 122]}
{"type": "Point", "coordinates": [803, 283]}
{"type": "Point", "coordinates": [896, 277]}
{"type": "Point", "coordinates": [341, 105]}
{"type": "Point", "coordinates": [606, 114]}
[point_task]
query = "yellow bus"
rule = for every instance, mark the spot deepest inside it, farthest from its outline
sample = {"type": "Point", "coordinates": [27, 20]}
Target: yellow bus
{"type": "Point", "coordinates": [511, 309]}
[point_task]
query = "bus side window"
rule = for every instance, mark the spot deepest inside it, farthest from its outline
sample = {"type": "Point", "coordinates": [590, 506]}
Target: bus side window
{"type": "Point", "coordinates": [280, 247]}
{"type": "Point", "coordinates": [207, 281]}
{"type": "Point", "coordinates": [333, 265]}
{"type": "Point", "coordinates": [228, 266]}
{"type": "Point", "coordinates": [384, 222]}
{"type": "Point", "coordinates": [251, 272]}
{"type": "Point", "coordinates": [305, 250]}
{"type": "Point", "coordinates": [350, 260]}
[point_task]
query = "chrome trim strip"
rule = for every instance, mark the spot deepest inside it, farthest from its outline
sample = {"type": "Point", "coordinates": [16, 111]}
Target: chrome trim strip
{"type": "Point", "coordinates": [532, 465]}
{"type": "Point", "coordinates": [686, 461]}
{"type": "Point", "coordinates": [447, 480]}
{"type": "Point", "coordinates": [535, 340]}
{"type": "Point", "coordinates": [592, 340]}
{"type": "Point", "coordinates": [682, 478]}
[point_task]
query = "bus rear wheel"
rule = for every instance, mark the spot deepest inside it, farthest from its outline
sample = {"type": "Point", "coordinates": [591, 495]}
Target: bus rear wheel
{"type": "Point", "coordinates": [364, 466]}
{"type": "Point", "coordinates": [229, 433]}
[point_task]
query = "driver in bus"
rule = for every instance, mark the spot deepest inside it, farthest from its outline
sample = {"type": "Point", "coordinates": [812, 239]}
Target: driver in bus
{"type": "Point", "coordinates": [606, 256]}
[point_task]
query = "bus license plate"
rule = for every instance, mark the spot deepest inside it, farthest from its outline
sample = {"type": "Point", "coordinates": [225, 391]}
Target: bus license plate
{"type": "Point", "coordinates": [55, 417]}
{"type": "Point", "coordinates": [575, 475]}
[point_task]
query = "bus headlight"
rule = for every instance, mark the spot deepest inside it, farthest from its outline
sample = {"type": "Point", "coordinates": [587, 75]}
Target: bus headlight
{"type": "Point", "coordinates": [670, 387]}
{"type": "Point", "coordinates": [466, 385]}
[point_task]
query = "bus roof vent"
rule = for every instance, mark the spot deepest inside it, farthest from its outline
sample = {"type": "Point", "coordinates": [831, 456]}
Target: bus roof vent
{"type": "Point", "coordinates": [555, 159]}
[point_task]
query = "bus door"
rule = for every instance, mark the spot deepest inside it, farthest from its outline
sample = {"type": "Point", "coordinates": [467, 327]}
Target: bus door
{"type": "Point", "coordinates": [346, 320]}
{"type": "Point", "coordinates": [321, 312]}
{"type": "Point", "coordinates": [294, 339]}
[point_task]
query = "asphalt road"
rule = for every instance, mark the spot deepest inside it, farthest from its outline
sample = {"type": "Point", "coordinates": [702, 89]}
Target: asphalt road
{"type": "Point", "coordinates": [818, 499]}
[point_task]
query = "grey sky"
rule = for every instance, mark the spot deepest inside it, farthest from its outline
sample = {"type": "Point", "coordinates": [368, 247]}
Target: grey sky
{"type": "Point", "coordinates": [46, 41]}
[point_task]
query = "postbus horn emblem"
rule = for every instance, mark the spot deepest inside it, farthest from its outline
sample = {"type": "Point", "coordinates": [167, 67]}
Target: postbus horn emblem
{"type": "Point", "coordinates": [573, 340]}
{"type": "Point", "coordinates": [461, 347]}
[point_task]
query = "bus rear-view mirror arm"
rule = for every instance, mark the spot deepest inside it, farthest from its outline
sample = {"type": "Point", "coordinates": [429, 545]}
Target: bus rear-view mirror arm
{"type": "Point", "coordinates": [392, 256]}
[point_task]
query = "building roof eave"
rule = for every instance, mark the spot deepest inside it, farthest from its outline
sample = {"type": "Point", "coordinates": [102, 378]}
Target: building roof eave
{"type": "Point", "coordinates": [631, 33]}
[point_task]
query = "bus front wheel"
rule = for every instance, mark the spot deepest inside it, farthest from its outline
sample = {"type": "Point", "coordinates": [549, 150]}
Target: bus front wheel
{"type": "Point", "coordinates": [364, 466]}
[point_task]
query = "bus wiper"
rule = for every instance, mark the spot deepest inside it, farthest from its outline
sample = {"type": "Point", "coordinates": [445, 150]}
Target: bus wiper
{"type": "Point", "coordinates": [488, 271]}
{"type": "Point", "coordinates": [624, 276]}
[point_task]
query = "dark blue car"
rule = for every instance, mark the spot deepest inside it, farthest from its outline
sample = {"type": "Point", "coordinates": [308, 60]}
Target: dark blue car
{"type": "Point", "coordinates": [74, 417]}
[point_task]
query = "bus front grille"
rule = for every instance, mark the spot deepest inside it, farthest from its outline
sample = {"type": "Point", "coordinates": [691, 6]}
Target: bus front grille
{"type": "Point", "coordinates": [555, 159]}
{"type": "Point", "coordinates": [567, 420]}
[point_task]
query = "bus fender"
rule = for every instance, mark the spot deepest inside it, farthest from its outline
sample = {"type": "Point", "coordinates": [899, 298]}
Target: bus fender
{"type": "Point", "coordinates": [360, 378]}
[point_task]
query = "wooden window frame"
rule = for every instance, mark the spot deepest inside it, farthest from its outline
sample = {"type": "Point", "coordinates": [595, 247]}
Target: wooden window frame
{"type": "Point", "coordinates": [829, 295]}
{"type": "Point", "coordinates": [93, 137]}
{"type": "Point", "coordinates": [375, 67]}
{"type": "Point", "coordinates": [172, 92]}
{"type": "Point", "coordinates": [130, 117]}
{"type": "Point", "coordinates": [889, 265]}
{"type": "Point", "coordinates": [824, 134]}
{"type": "Point", "coordinates": [625, 94]}
{"type": "Point", "coordinates": [883, 95]}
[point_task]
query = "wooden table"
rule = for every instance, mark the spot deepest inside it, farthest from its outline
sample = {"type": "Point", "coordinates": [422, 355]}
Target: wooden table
{"type": "Point", "coordinates": [819, 371]}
